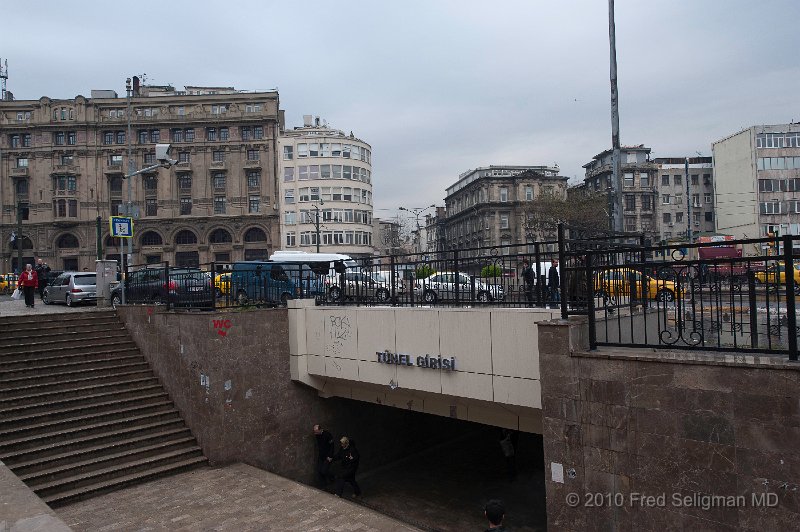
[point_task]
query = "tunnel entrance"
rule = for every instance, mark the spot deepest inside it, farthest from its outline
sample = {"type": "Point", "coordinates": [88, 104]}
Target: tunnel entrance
{"type": "Point", "coordinates": [437, 473]}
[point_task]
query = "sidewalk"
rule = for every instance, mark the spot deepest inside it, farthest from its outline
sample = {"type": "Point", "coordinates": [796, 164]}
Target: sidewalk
{"type": "Point", "coordinates": [10, 307]}
{"type": "Point", "coordinates": [236, 497]}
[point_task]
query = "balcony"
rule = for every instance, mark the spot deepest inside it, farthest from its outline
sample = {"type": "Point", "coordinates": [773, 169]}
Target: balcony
{"type": "Point", "coordinates": [183, 165]}
{"type": "Point", "coordinates": [66, 169]}
{"type": "Point", "coordinates": [19, 172]}
{"type": "Point", "coordinates": [218, 165]}
{"type": "Point", "coordinates": [113, 168]}
{"type": "Point", "coordinates": [250, 163]}
{"type": "Point", "coordinates": [64, 193]}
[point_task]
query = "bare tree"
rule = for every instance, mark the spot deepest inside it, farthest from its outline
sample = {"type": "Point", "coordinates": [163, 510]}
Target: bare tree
{"type": "Point", "coordinates": [581, 209]}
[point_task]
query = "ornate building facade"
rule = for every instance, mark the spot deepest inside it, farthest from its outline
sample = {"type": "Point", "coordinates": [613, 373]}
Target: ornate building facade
{"type": "Point", "coordinates": [62, 167]}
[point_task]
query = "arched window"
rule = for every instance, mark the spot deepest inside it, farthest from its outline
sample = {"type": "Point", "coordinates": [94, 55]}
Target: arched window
{"type": "Point", "coordinates": [151, 238]}
{"type": "Point", "coordinates": [66, 241]}
{"type": "Point", "coordinates": [220, 236]}
{"type": "Point", "coordinates": [25, 243]}
{"type": "Point", "coordinates": [255, 234]}
{"type": "Point", "coordinates": [185, 237]}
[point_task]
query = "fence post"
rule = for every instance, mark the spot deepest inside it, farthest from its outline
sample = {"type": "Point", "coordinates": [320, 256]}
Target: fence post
{"type": "Point", "coordinates": [213, 285]}
{"type": "Point", "coordinates": [166, 279]}
{"type": "Point", "coordinates": [457, 277]}
{"type": "Point", "coordinates": [392, 281]}
{"type": "Point", "coordinates": [791, 325]}
{"type": "Point", "coordinates": [563, 278]}
{"type": "Point", "coordinates": [590, 302]}
{"type": "Point", "coordinates": [537, 282]}
{"type": "Point", "coordinates": [751, 291]}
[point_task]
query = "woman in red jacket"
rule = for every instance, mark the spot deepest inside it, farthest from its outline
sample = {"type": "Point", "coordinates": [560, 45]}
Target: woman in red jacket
{"type": "Point", "coordinates": [29, 282]}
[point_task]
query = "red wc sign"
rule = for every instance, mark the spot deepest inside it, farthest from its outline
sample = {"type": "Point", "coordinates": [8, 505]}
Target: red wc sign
{"type": "Point", "coordinates": [222, 326]}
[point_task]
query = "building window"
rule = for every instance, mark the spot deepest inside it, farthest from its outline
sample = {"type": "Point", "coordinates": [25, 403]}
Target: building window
{"type": "Point", "coordinates": [771, 207]}
{"type": "Point", "coordinates": [185, 237]}
{"type": "Point", "coordinates": [218, 156]}
{"type": "Point", "coordinates": [252, 155]}
{"type": "Point", "coordinates": [108, 137]}
{"type": "Point", "coordinates": [151, 207]}
{"type": "Point", "coordinates": [679, 217]}
{"type": "Point", "coordinates": [644, 179]}
{"type": "Point", "coordinates": [149, 158]}
{"type": "Point", "coordinates": [709, 216]}
{"type": "Point", "coordinates": [13, 140]}
{"type": "Point", "coordinates": [211, 133]}
{"type": "Point", "coordinates": [772, 185]}
{"type": "Point", "coordinates": [115, 160]}
{"type": "Point", "coordinates": [288, 153]}
{"type": "Point", "coordinates": [67, 159]}
{"type": "Point", "coordinates": [288, 197]}
{"type": "Point", "coordinates": [184, 183]}
{"type": "Point", "coordinates": [252, 108]}
{"type": "Point", "coordinates": [218, 181]}
{"type": "Point", "coordinates": [244, 132]}
{"type": "Point", "coordinates": [253, 179]}
{"type": "Point", "coordinates": [120, 137]}
{"type": "Point", "coordinates": [26, 140]}
{"type": "Point", "coordinates": [707, 198]}
{"type": "Point", "coordinates": [186, 206]}
{"type": "Point", "coordinates": [504, 221]}
{"type": "Point", "coordinates": [189, 135]}
{"type": "Point", "coordinates": [22, 162]}
{"type": "Point", "coordinates": [253, 204]}
{"type": "Point", "coordinates": [647, 203]}
{"type": "Point", "coordinates": [219, 109]}
{"type": "Point", "coordinates": [503, 194]}
{"type": "Point", "coordinates": [630, 202]}
{"type": "Point", "coordinates": [177, 135]}
{"type": "Point", "coordinates": [258, 132]}
{"type": "Point", "coordinates": [288, 173]}
{"type": "Point", "coordinates": [696, 200]}
{"type": "Point", "coordinates": [219, 204]}
{"type": "Point", "coordinates": [302, 151]}
{"type": "Point", "coordinates": [666, 217]}
{"type": "Point", "coordinates": [155, 136]}
{"type": "Point", "coordinates": [183, 157]}
{"type": "Point", "coordinates": [150, 183]}
{"type": "Point", "coordinates": [255, 234]}
{"type": "Point", "coordinates": [289, 218]}
{"type": "Point", "coordinates": [665, 199]}
{"type": "Point", "coordinates": [223, 134]}
{"type": "Point", "coordinates": [664, 180]}
{"type": "Point", "coordinates": [291, 239]}
{"type": "Point", "coordinates": [677, 180]}
{"type": "Point", "coordinates": [706, 179]}
{"type": "Point", "coordinates": [143, 136]}
{"type": "Point", "coordinates": [151, 238]}
{"type": "Point", "coordinates": [695, 179]}
{"type": "Point", "coordinates": [115, 185]}
{"type": "Point", "coordinates": [58, 138]}
{"type": "Point", "coordinates": [313, 149]}
{"type": "Point", "coordinates": [627, 179]}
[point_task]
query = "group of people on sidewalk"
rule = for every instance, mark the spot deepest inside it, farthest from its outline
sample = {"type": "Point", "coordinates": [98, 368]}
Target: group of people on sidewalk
{"type": "Point", "coordinates": [346, 459]}
{"type": "Point", "coordinates": [548, 288]}
{"type": "Point", "coordinates": [33, 279]}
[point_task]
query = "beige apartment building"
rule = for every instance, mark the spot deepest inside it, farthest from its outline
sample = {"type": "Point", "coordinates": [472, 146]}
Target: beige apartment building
{"type": "Point", "coordinates": [325, 190]}
{"type": "Point", "coordinates": [63, 161]}
{"type": "Point", "coordinates": [757, 177]}
{"type": "Point", "coordinates": [487, 206]}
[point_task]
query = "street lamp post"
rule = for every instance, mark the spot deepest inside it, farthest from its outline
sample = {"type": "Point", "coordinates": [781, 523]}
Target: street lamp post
{"type": "Point", "coordinates": [417, 211]}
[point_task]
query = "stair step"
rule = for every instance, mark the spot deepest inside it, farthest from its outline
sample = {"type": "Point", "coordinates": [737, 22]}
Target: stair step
{"type": "Point", "coordinates": [119, 482]}
{"type": "Point", "coordinates": [28, 411]}
{"type": "Point", "coordinates": [87, 353]}
{"type": "Point", "coordinates": [30, 353]}
{"type": "Point", "coordinates": [186, 443]}
{"type": "Point", "coordinates": [36, 321]}
{"type": "Point", "coordinates": [42, 333]}
{"type": "Point", "coordinates": [115, 445]}
{"type": "Point", "coordinates": [105, 371]}
{"type": "Point", "coordinates": [78, 365]}
{"type": "Point", "coordinates": [159, 400]}
{"type": "Point", "coordinates": [107, 438]}
{"type": "Point", "coordinates": [38, 344]}
{"type": "Point", "coordinates": [39, 391]}
{"type": "Point", "coordinates": [65, 432]}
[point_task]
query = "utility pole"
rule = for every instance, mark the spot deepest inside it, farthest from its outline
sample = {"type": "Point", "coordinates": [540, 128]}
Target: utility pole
{"type": "Point", "coordinates": [616, 163]}
{"type": "Point", "coordinates": [688, 204]}
{"type": "Point", "coordinates": [131, 168]}
{"type": "Point", "coordinates": [316, 224]}
{"type": "Point", "coordinates": [19, 237]}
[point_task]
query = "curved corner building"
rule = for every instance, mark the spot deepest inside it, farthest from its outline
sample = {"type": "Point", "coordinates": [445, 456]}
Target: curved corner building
{"type": "Point", "coordinates": [326, 190]}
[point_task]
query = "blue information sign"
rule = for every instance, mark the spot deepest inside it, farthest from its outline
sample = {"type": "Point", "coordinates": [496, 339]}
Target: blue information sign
{"type": "Point", "coordinates": [121, 227]}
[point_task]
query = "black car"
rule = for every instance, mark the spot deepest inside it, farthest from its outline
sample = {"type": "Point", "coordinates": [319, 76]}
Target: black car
{"type": "Point", "coordinates": [186, 287]}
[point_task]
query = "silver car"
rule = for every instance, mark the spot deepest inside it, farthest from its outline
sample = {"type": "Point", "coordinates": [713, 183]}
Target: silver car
{"type": "Point", "coordinates": [72, 288]}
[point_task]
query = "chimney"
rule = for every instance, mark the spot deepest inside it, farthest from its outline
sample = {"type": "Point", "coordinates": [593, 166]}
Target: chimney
{"type": "Point", "coordinates": [307, 120]}
{"type": "Point", "coordinates": [135, 86]}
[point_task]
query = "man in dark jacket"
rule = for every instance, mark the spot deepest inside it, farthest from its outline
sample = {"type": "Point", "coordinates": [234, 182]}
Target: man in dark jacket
{"type": "Point", "coordinates": [324, 455]}
{"type": "Point", "coordinates": [554, 283]}
{"type": "Point", "coordinates": [348, 455]}
{"type": "Point", "coordinates": [42, 269]}
{"type": "Point", "coordinates": [529, 277]}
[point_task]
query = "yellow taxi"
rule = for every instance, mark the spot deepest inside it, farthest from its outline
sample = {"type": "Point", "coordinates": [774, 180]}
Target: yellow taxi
{"type": "Point", "coordinates": [776, 274]}
{"type": "Point", "coordinates": [617, 282]}
{"type": "Point", "coordinates": [222, 283]}
{"type": "Point", "coordinates": [8, 282]}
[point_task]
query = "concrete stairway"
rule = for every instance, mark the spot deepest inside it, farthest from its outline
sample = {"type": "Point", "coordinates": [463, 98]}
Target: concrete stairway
{"type": "Point", "coordinates": [81, 412]}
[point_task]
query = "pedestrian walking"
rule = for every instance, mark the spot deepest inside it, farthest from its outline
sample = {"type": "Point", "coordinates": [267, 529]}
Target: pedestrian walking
{"type": "Point", "coordinates": [349, 457]}
{"type": "Point", "coordinates": [508, 445]}
{"type": "Point", "coordinates": [42, 269]}
{"type": "Point", "coordinates": [324, 455]}
{"type": "Point", "coordinates": [554, 283]}
{"type": "Point", "coordinates": [29, 281]}
{"type": "Point", "coordinates": [529, 277]}
{"type": "Point", "coordinates": [495, 512]}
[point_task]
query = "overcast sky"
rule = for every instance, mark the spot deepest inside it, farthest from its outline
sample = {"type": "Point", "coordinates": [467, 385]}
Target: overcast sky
{"type": "Point", "coordinates": [439, 87]}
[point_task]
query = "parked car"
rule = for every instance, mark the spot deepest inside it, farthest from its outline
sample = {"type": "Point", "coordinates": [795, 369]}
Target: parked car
{"type": "Point", "coordinates": [385, 279]}
{"type": "Point", "coordinates": [625, 282]}
{"type": "Point", "coordinates": [262, 283]}
{"type": "Point", "coordinates": [186, 287]}
{"type": "Point", "coordinates": [357, 285]}
{"type": "Point", "coordinates": [776, 274]}
{"type": "Point", "coordinates": [71, 288]}
{"type": "Point", "coordinates": [222, 283]}
{"type": "Point", "coordinates": [442, 286]}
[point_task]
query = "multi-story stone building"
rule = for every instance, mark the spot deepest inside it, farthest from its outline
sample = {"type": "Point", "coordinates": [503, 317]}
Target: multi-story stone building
{"type": "Point", "coordinates": [325, 175]}
{"type": "Point", "coordinates": [677, 212]}
{"type": "Point", "coordinates": [436, 231]}
{"type": "Point", "coordinates": [487, 206]}
{"type": "Point", "coordinates": [636, 192]}
{"type": "Point", "coordinates": [757, 181]}
{"type": "Point", "coordinates": [64, 162]}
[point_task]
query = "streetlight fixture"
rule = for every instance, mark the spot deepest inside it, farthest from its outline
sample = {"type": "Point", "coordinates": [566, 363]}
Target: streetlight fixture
{"type": "Point", "coordinates": [316, 220]}
{"type": "Point", "coordinates": [416, 211]}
